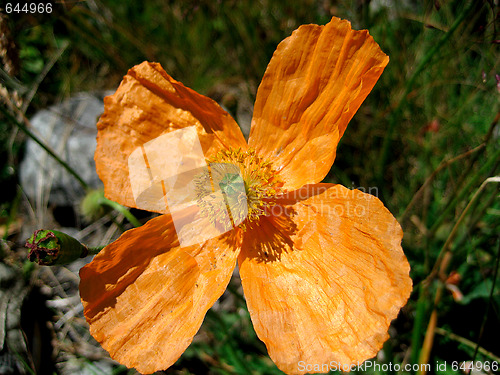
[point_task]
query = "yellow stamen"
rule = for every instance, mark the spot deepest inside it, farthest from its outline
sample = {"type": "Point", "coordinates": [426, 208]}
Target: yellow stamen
{"type": "Point", "coordinates": [236, 171]}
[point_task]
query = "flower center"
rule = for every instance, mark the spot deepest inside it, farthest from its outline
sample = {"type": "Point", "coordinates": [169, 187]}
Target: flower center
{"type": "Point", "coordinates": [247, 185]}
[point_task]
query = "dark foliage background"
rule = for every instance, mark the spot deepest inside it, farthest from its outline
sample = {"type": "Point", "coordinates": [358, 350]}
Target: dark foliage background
{"type": "Point", "coordinates": [425, 141]}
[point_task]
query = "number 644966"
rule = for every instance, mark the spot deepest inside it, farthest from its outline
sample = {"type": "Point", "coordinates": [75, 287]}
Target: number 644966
{"type": "Point", "coordinates": [28, 8]}
{"type": "Point", "coordinates": [476, 366]}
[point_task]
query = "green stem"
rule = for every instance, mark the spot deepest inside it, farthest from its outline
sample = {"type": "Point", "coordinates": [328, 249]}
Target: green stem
{"type": "Point", "coordinates": [418, 325]}
{"type": "Point", "coordinates": [490, 301]}
{"type": "Point", "coordinates": [395, 118]}
{"type": "Point", "coordinates": [447, 245]}
{"type": "Point", "coordinates": [445, 163]}
{"type": "Point", "coordinates": [466, 342]}
{"type": "Point", "coordinates": [95, 250]}
{"type": "Point", "coordinates": [451, 236]}
{"type": "Point", "coordinates": [123, 210]}
{"type": "Point", "coordinates": [484, 170]}
{"type": "Point", "coordinates": [45, 147]}
{"type": "Point", "coordinates": [473, 221]}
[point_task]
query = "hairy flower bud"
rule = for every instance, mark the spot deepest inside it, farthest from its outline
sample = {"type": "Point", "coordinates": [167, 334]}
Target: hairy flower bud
{"type": "Point", "coordinates": [50, 247]}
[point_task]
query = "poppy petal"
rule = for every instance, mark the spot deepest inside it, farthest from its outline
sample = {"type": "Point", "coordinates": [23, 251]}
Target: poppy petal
{"type": "Point", "coordinates": [145, 297]}
{"type": "Point", "coordinates": [328, 293]}
{"type": "Point", "coordinates": [149, 103]}
{"type": "Point", "coordinates": [312, 87]}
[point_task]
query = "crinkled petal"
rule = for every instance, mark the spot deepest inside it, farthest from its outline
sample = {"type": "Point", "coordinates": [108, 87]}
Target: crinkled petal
{"type": "Point", "coordinates": [313, 86]}
{"type": "Point", "coordinates": [145, 298]}
{"type": "Point", "coordinates": [324, 278]}
{"type": "Point", "coordinates": [150, 103]}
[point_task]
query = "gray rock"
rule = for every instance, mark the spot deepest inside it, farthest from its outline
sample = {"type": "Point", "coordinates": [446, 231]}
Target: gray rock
{"type": "Point", "coordinates": [70, 130]}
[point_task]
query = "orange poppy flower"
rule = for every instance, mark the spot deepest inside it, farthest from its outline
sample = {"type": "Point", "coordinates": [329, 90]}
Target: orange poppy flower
{"type": "Point", "coordinates": [322, 267]}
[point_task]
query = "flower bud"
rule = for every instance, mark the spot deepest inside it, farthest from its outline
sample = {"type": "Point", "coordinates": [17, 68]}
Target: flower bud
{"type": "Point", "coordinates": [50, 247]}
